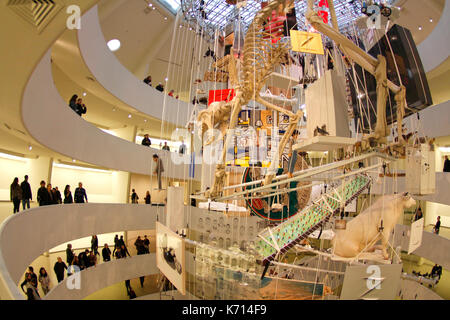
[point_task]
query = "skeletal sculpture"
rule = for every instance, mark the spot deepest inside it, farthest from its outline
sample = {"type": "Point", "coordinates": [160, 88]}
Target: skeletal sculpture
{"type": "Point", "coordinates": [260, 57]}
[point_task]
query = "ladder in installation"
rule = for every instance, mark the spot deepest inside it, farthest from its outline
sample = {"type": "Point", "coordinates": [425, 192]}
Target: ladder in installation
{"type": "Point", "coordinates": [279, 239]}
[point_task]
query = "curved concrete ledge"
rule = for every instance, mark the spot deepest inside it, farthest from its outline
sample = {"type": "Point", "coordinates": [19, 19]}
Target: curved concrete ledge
{"type": "Point", "coordinates": [120, 82]}
{"type": "Point", "coordinates": [103, 275]}
{"type": "Point", "coordinates": [435, 48]}
{"type": "Point", "coordinates": [51, 122]}
{"type": "Point", "coordinates": [434, 247]}
{"type": "Point", "coordinates": [25, 236]}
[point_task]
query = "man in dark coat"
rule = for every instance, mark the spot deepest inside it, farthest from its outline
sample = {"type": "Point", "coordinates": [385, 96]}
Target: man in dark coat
{"type": "Point", "coordinates": [146, 141]}
{"type": "Point", "coordinates": [59, 268]}
{"type": "Point", "coordinates": [446, 164]}
{"type": "Point", "coordinates": [80, 194]}
{"type": "Point", "coordinates": [26, 193]}
{"type": "Point", "coordinates": [69, 254]}
{"type": "Point", "coordinates": [106, 253]}
{"type": "Point", "coordinates": [43, 196]}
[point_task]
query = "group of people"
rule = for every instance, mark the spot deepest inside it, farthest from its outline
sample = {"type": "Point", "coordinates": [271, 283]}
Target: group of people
{"type": "Point", "coordinates": [142, 245]}
{"type": "Point", "coordinates": [77, 105]}
{"type": "Point", "coordinates": [75, 263]}
{"type": "Point", "coordinates": [436, 273]}
{"type": "Point", "coordinates": [135, 197]}
{"type": "Point", "coordinates": [46, 194]}
{"type": "Point", "coordinates": [146, 141]}
{"type": "Point", "coordinates": [31, 283]}
{"type": "Point", "coordinates": [159, 87]}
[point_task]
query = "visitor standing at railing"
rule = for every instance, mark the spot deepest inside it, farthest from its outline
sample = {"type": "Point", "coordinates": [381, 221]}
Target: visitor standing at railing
{"type": "Point", "coordinates": [81, 107]}
{"type": "Point", "coordinates": [446, 164]}
{"type": "Point", "coordinates": [67, 195]}
{"type": "Point", "coordinates": [69, 254]}
{"type": "Point", "coordinates": [148, 81]}
{"type": "Point", "coordinates": [134, 197]}
{"type": "Point", "coordinates": [59, 268]}
{"type": "Point", "coordinates": [146, 141]}
{"type": "Point", "coordinates": [106, 253]}
{"type": "Point", "coordinates": [26, 193]}
{"type": "Point", "coordinates": [16, 194]}
{"type": "Point", "coordinates": [148, 198]}
{"type": "Point", "coordinates": [80, 194]}
{"type": "Point", "coordinates": [43, 197]}
{"type": "Point", "coordinates": [73, 103]}
{"type": "Point", "coordinates": [437, 226]}
{"type": "Point", "coordinates": [166, 147]}
{"type": "Point", "coordinates": [44, 280]}
{"type": "Point", "coordinates": [182, 149]}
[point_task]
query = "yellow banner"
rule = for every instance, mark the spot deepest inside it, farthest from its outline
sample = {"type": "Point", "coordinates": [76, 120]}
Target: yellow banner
{"type": "Point", "coordinates": [308, 42]}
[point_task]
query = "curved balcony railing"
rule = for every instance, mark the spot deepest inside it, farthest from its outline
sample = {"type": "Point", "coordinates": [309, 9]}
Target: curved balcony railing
{"type": "Point", "coordinates": [89, 281]}
{"type": "Point", "coordinates": [120, 82]}
{"type": "Point", "coordinates": [50, 121]}
{"type": "Point", "coordinates": [46, 227]}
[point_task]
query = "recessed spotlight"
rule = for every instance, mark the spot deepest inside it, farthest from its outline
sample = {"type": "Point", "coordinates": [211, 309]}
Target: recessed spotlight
{"type": "Point", "coordinates": [114, 109]}
{"type": "Point", "coordinates": [30, 147]}
{"type": "Point", "coordinates": [129, 116]}
{"type": "Point", "coordinates": [154, 8]}
{"type": "Point", "coordinates": [145, 120]}
{"type": "Point", "coordinates": [166, 79]}
{"type": "Point", "coordinates": [84, 94]}
{"type": "Point", "coordinates": [431, 19]}
{"type": "Point", "coordinates": [114, 45]}
{"type": "Point", "coordinates": [73, 160]}
{"type": "Point", "coordinates": [420, 28]}
{"type": "Point", "coordinates": [165, 18]}
{"type": "Point", "coordinates": [150, 5]}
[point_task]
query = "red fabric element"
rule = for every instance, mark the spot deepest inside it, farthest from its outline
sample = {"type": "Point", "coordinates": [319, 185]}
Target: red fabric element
{"type": "Point", "coordinates": [220, 95]}
{"type": "Point", "coordinates": [324, 15]}
{"type": "Point", "coordinates": [323, 3]}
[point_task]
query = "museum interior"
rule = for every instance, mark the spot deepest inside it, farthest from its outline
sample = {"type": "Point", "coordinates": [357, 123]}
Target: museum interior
{"type": "Point", "coordinates": [225, 150]}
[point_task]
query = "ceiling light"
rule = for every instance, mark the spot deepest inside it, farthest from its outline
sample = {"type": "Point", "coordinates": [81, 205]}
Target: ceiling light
{"type": "Point", "coordinates": [67, 166]}
{"type": "Point", "coordinates": [431, 19]}
{"type": "Point", "coordinates": [444, 149]}
{"type": "Point", "coordinates": [166, 79]}
{"type": "Point", "coordinates": [84, 94]}
{"type": "Point", "coordinates": [420, 28]}
{"type": "Point", "coordinates": [154, 8]}
{"type": "Point", "coordinates": [165, 18]}
{"type": "Point", "coordinates": [30, 147]}
{"type": "Point", "coordinates": [114, 45]}
{"type": "Point", "coordinates": [129, 116]}
{"type": "Point", "coordinates": [11, 157]}
{"type": "Point", "coordinates": [73, 160]}
{"type": "Point", "coordinates": [150, 4]}
{"type": "Point", "coordinates": [114, 109]}
{"type": "Point", "coordinates": [145, 120]}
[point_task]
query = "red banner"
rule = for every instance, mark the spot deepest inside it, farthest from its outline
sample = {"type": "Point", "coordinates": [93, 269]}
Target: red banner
{"type": "Point", "coordinates": [220, 95]}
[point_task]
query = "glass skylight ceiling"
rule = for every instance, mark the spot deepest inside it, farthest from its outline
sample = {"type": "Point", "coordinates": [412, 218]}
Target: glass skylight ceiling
{"type": "Point", "coordinates": [219, 13]}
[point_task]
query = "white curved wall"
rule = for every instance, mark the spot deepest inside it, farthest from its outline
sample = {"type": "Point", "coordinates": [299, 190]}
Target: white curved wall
{"type": "Point", "coordinates": [120, 82]}
{"type": "Point", "coordinates": [26, 235]}
{"type": "Point", "coordinates": [435, 48]}
{"type": "Point", "coordinates": [50, 121]}
{"type": "Point", "coordinates": [104, 275]}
